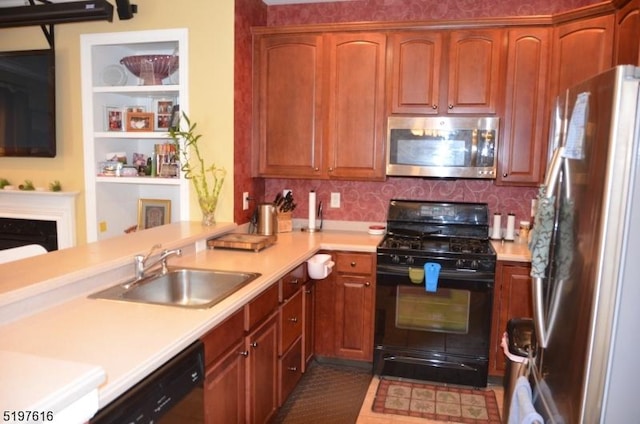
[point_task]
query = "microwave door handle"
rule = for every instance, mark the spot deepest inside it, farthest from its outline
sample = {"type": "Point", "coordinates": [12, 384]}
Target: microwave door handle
{"type": "Point", "coordinates": [474, 148]}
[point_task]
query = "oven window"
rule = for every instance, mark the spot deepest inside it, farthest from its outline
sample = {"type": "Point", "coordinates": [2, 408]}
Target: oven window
{"type": "Point", "coordinates": [446, 310]}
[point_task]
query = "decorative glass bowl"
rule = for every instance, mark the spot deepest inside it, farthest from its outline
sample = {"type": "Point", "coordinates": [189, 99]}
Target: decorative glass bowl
{"type": "Point", "coordinates": [151, 68]}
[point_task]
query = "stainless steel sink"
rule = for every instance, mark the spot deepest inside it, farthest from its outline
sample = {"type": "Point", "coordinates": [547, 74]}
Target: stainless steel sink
{"type": "Point", "coordinates": [184, 287]}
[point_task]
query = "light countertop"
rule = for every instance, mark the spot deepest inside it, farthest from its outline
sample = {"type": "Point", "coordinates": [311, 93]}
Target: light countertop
{"type": "Point", "coordinates": [88, 344]}
{"type": "Point", "coordinates": [123, 341]}
{"type": "Point", "coordinates": [516, 251]}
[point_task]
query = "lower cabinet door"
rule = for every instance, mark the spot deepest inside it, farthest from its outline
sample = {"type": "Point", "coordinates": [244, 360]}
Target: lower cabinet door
{"type": "Point", "coordinates": [224, 388]}
{"type": "Point", "coordinates": [290, 369]}
{"type": "Point", "coordinates": [262, 371]}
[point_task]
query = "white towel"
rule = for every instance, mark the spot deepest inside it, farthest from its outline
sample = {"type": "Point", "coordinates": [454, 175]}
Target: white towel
{"type": "Point", "coordinates": [521, 410]}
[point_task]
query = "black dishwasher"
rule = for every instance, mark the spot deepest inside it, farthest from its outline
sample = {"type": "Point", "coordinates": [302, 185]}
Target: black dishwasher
{"type": "Point", "coordinates": [169, 395]}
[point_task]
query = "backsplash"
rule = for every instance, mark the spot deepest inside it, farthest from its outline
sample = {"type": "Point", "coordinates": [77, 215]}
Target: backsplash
{"type": "Point", "coordinates": [368, 201]}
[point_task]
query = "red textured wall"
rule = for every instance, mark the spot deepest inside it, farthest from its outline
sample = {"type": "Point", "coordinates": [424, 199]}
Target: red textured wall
{"type": "Point", "coordinates": [367, 201]}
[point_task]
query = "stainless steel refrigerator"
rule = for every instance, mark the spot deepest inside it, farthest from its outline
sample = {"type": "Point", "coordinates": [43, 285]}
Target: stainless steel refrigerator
{"type": "Point", "coordinates": [586, 257]}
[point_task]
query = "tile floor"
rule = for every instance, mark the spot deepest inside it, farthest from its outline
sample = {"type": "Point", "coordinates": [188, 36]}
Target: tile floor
{"type": "Point", "coordinates": [367, 416]}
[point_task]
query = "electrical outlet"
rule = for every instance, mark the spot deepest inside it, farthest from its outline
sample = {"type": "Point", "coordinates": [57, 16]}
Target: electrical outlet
{"type": "Point", "coordinates": [335, 200]}
{"type": "Point", "coordinates": [245, 200]}
{"type": "Point", "coordinates": [286, 191]}
{"type": "Point", "coordinates": [102, 226]}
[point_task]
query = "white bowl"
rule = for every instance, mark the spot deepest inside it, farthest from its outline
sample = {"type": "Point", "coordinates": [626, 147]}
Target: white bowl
{"type": "Point", "coordinates": [320, 266]}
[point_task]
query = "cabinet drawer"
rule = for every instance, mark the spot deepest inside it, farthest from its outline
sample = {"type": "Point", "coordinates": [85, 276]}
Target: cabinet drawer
{"type": "Point", "coordinates": [293, 281]}
{"type": "Point", "coordinates": [290, 321]}
{"type": "Point", "coordinates": [261, 307]}
{"type": "Point", "coordinates": [223, 337]}
{"type": "Point", "coordinates": [354, 263]}
{"type": "Point", "coordinates": [290, 371]}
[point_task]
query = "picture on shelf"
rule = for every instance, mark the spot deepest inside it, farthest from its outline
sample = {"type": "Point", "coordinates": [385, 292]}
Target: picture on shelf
{"type": "Point", "coordinates": [164, 106]}
{"type": "Point", "coordinates": [135, 109]}
{"type": "Point", "coordinates": [174, 122]}
{"type": "Point", "coordinates": [114, 118]}
{"type": "Point", "coordinates": [153, 213]}
{"type": "Point", "coordinates": [139, 121]}
{"type": "Point", "coordinates": [163, 110]}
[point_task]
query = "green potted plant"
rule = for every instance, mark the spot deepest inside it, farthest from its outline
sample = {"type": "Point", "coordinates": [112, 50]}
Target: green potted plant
{"type": "Point", "coordinates": [207, 178]}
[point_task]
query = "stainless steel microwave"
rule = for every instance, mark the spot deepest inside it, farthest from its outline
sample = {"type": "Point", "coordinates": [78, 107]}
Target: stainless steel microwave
{"type": "Point", "coordinates": [443, 147]}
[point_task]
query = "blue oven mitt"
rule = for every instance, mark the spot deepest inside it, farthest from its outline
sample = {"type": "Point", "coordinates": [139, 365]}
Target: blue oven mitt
{"type": "Point", "coordinates": [431, 272]}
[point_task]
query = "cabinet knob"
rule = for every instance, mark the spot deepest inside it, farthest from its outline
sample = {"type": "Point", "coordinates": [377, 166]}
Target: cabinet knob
{"type": "Point", "coordinates": [450, 106]}
{"type": "Point", "coordinates": [353, 264]}
{"type": "Point", "coordinates": [307, 291]}
{"type": "Point", "coordinates": [294, 319]}
{"type": "Point", "coordinates": [316, 169]}
{"type": "Point", "coordinates": [434, 107]}
{"type": "Point", "coordinates": [294, 369]}
{"type": "Point", "coordinates": [330, 169]}
{"type": "Point", "coordinates": [505, 175]}
{"type": "Point", "coordinates": [254, 344]}
{"type": "Point", "coordinates": [294, 281]}
{"type": "Point", "coordinates": [244, 353]}
{"type": "Point", "coordinates": [367, 284]}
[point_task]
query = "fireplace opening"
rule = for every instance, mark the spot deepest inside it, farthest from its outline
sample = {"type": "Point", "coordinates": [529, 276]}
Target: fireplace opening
{"type": "Point", "coordinates": [15, 232]}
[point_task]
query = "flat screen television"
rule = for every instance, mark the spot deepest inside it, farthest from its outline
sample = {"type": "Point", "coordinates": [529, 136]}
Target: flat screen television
{"type": "Point", "coordinates": [27, 103]}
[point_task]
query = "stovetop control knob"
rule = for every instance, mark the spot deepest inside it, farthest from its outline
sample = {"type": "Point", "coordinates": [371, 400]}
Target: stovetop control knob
{"type": "Point", "coordinates": [474, 264]}
{"type": "Point", "coordinates": [459, 264]}
{"type": "Point", "coordinates": [410, 260]}
{"type": "Point", "coordinates": [395, 259]}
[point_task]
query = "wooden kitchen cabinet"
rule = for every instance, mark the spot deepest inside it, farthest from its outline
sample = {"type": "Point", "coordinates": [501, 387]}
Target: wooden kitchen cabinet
{"type": "Point", "coordinates": [523, 140]}
{"type": "Point", "coordinates": [287, 104]}
{"type": "Point", "coordinates": [241, 357]}
{"type": "Point", "coordinates": [581, 49]}
{"type": "Point", "coordinates": [474, 77]}
{"type": "Point", "coordinates": [416, 59]}
{"type": "Point", "coordinates": [427, 80]}
{"type": "Point", "coordinates": [290, 345]}
{"type": "Point", "coordinates": [344, 308]}
{"type": "Point", "coordinates": [224, 386]}
{"type": "Point", "coordinates": [262, 371]}
{"type": "Point", "coordinates": [627, 34]}
{"type": "Point", "coordinates": [308, 333]}
{"type": "Point", "coordinates": [320, 105]}
{"type": "Point", "coordinates": [512, 298]}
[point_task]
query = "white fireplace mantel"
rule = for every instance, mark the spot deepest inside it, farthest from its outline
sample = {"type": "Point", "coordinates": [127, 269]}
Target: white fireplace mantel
{"type": "Point", "coordinates": [43, 206]}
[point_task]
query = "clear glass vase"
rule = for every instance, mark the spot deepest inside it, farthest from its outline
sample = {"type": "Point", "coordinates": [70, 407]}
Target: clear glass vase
{"type": "Point", "coordinates": [208, 208]}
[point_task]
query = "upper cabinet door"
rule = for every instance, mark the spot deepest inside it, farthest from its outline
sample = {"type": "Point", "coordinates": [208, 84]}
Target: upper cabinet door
{"type": "Point", "coordinates": [355, 110]}
{"type": "Point", "coordinates": [522, 144]}
{"type": "Point", "coordinates": [627, 44]}
{"type": "Point", "coordinates": [288, 74]}
{"type": "Point", "coordinates": [581, 49]}
{"type": "Point", "coordinates": [416, 60]}
{"type": "Point", "coordinates": [475, 58]}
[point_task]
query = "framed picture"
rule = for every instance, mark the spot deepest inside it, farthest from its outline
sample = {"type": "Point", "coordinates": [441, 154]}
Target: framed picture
{"type": "Point", "coordinates": [174, 122]}
{"type": "Point", "coordinates": [135, 109]}
{"type": "Point", "coordinates": [163, 110]}
{"type": "Point", "coordinates": [139, 121]}
{"type": "Point", "coordinates": [153, 213]}
{"type": "Point", "coordinates": [114, 118]}
{"type": "Point", "coordinates": [164, 106]}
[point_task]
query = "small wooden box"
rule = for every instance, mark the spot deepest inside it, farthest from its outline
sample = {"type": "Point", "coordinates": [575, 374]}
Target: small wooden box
{"type": "Point", "coordinates": [285, 222]}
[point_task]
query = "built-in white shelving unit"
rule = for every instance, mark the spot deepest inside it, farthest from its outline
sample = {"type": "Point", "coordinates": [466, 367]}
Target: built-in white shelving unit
{"type": "Point", "coordinates": [112, 201]}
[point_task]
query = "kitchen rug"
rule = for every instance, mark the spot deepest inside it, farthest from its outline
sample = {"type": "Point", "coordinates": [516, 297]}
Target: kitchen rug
{"type": "Point", "coordinates": [434, 402]}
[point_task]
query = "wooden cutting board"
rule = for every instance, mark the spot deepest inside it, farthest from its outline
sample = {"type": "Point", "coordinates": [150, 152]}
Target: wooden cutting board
{"type": "Point", "coordinates": [253, 242]}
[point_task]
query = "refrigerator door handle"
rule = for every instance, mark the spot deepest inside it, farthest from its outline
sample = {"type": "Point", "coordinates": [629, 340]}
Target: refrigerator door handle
{"type": "Point", "coordinates": [541, 248]}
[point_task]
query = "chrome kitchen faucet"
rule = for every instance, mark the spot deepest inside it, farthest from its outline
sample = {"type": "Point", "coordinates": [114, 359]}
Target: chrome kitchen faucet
{"type": "Point", "coordinates": [140, 261]}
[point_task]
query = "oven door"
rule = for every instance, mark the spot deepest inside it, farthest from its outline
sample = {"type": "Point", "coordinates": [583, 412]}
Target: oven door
{"type": "Point", "coordinates": [439, 336]}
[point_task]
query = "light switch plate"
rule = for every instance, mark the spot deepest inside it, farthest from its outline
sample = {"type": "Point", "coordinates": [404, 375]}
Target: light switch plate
{"type": "Point", "coordinates": [335, 200]}
{"type": "Point", "coordinates": [245, 200]}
